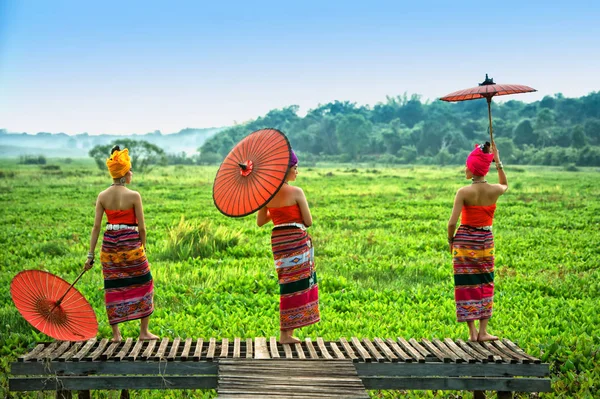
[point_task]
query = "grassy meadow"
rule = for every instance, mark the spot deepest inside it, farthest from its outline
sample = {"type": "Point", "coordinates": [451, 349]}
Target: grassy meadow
{"type": "Point", "coordinates": [380, 250]}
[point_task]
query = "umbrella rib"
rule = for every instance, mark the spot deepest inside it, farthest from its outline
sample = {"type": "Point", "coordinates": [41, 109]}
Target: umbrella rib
{"type": "Point", "coordinates": [235, 186]}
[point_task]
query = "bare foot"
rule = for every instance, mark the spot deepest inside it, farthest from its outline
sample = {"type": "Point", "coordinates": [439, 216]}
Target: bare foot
{"type": "Point", "coordinates": [148, 336]}
{"type": "Point", "coordinates": [486, 337]}
{"type": "Point", "coordinates": [116, 339]}
{"type": "Point", "coordinates": [289, 340]}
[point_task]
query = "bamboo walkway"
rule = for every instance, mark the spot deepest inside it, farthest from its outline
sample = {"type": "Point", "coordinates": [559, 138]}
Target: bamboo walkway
{"type": "Point", "coordinates": [357, 350]}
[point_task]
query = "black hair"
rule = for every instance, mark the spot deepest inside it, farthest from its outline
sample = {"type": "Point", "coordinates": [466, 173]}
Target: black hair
{"type": "Point", "coordinates": [115, 148]}
{"type": "Point", "coordinates": [486, 148]}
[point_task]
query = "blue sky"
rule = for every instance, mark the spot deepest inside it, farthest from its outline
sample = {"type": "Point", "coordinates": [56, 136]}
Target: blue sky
{"type": "Point", "coordinates": [136, 66]}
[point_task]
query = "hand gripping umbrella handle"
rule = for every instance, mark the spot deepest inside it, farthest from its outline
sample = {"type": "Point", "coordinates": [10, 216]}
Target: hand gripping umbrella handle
{"type": "Point", "coordinates": [69, 289]}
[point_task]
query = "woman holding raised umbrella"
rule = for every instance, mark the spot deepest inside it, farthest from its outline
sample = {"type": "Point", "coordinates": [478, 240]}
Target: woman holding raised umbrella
{"type": "Point", "coordinates": [472, 246]}
{"type": "Point", "coordinates": [128, 285]}
{"type": "Point", "coordinates": [293, 255]}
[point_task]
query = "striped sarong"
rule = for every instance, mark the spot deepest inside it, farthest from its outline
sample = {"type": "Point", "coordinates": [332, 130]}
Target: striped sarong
{"type": "Point", "coordinates": [298, 288]}
{"type": "Point", "coordinates": [473, 260]}
{"type": "Point", "coordinates": [128, 287]}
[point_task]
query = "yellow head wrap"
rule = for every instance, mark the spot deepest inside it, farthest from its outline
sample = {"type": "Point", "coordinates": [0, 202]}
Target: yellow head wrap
{"type": "Point", "coordinates": [119, 163]}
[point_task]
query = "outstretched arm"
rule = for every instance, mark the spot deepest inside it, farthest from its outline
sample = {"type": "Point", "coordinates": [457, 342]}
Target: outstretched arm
{"type": "Point", "coordinates": [95, 233]}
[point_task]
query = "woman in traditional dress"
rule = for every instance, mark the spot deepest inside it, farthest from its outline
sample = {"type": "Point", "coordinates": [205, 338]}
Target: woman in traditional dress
{"type": "Point", "coordinates": [293, 255]}
{"type": "Point", "coordinates": [472, 246]}
{"type": "Point", "coordinates": [128, 285]}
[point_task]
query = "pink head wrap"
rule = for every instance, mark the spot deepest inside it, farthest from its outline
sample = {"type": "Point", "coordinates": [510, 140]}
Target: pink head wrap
{"type": "Point", "coordinates": [478, 162]}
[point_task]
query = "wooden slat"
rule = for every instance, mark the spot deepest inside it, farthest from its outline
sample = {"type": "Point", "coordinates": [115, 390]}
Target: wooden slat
{"type": "Point", "coordinates": [311, 349]}
{"type": "Point", "coordinates": [517, 349]}
{"type": "Point", "coordinates": [198, 351]}
{"type": "Point", "coordinates": [48, 350]}
{"type": "Point", "coordinates": [224, 348]}
{"type": "Point", "coordinates": [373, 351]}
{"type": "Point", "coordinates": [33, 354]}
{"type": "Point", "coordinates": [349, 351]}
{"type": "Point", "coordinates": [510, 352]}
{"type": "Point", "coordinates": [405, 357]}
{"type": "Point", "coordinates": [249, 348]}
{"type": "Point", "coordinates": [415, 344]}
{"type": "Point", "coordinates": [362, 352]}
{"type": "Point", "coordinates": [387, 352]}
{"type": "Point", "coordinates": [212, 347]}
{"type": "Point", "coordinates": [83, 351]}
{"type": "Point", "coordinates": [124, 350]}
{"type": "Point", "coordinates": [299, 350]}
{"type": "Point", "coordinates": [439, 354]}
{"type": "Point", "coordinates": [471, 352]}
{"type": "Point", "coordinates": [260, 348]}
{"type": "Point", "coordinates": [236, 347]}
{"type": "Point", "coordinates": [110, 350]}
{"type": "Point", "coordinates": [447, 351]}
{"type": "Point", "coordinates": [458, 351]}
{"type": "Point", "coordinates": [323, 348]}
{"type": "Point", "coordinates": [497, 353]}
{"type": "Point", "coordinates": [336, 351]}
{"type": "Point", "coordinates": [174, 348]}
{"type": "Point", "coordinates": [187, 345]}
{"type": "Point", "coordinates": [98, 351]}
{"type": "Point", "coordinates": [135, 352]}
{"type": "Point", "coordinates": [71, 352]}
{"type": "Point", "coordinates": [162, 349]}
{"type": "Point", "coordinates": [60, 350]}
{"type": "Point", "coordinates": [411, 350]}
{"type": "Point", "coordinates": [287, 349]}
{"type": "Point", "coordinates": [273, 348]}
{"type": "Point", "coordinates": [481, 349]}
{"type": "Point", "coordinates": [149, 349]}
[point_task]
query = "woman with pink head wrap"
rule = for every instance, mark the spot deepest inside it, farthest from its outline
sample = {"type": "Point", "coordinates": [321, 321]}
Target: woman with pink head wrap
{"type": "Point", "coordinates": [293, 254]}
{"type": "Point", "coordinates": [472, 245]}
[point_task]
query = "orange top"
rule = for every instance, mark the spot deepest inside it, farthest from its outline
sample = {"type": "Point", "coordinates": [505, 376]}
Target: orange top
{"type": "Point", "coordinates": [477, 215]}
{"type": "Point", "coordinates": [126, 216]}
{"type": "Point", "coordinates": [286, 214]}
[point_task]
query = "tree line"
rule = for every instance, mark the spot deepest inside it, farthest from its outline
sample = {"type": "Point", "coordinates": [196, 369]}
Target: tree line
{"type": "Point", "coordinates": [553, 131]}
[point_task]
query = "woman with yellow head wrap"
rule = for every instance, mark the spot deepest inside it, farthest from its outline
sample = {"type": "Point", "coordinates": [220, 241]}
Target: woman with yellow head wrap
{"type": "Point", "coordinates": [128, 285]}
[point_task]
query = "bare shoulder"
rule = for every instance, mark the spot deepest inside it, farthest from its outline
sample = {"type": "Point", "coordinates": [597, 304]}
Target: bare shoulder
{"type": "Point", "coordinates": [499, 189]}
{"type": "Point", "coordinates": [134, 195]}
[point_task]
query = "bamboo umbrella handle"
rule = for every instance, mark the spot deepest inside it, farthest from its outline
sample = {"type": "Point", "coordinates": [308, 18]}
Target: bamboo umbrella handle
{"type": "Point", "coordinates": [489, 104]}
{"type": "Point", "coordinates": [69, 289]}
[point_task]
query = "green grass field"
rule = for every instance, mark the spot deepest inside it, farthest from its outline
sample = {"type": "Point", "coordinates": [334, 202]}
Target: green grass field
{"type": "Point", "coordinates": [380, 249]}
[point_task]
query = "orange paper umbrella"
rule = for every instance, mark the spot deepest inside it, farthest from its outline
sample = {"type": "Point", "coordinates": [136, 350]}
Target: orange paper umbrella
{"type": "Point", "coordinates": [252, 173]}
{"type": "Point", "coordinates": [487, 89]}
{"type": "Point", "coordinates": [53, 306]}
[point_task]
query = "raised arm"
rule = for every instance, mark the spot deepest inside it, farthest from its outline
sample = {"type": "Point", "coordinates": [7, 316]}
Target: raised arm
{"type": "Point", "coordinates": [456, 209]}
{"type": "Point", "coordinates": [99, 212]}
{"type": "Point", "coordinates": [263, 216]}
{"type": "Point", "coordinates": [304, 209]}
{"type": "Point", "coordinates": [502, 181]}
{"type": "Point", "coordinates": [139, 215]}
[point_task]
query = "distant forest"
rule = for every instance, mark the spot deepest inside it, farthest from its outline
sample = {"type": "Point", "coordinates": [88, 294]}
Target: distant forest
{"type": "Point", "coordinates": [553, 131]}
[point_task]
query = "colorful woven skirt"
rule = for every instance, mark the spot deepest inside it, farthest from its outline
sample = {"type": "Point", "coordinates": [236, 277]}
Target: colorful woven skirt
{"type": "Point", "coordinates": [298, 288]}
{"type": "Point", "coordinates": [128, 287]}
{"type": "Point", "coordinates": [473, 259]}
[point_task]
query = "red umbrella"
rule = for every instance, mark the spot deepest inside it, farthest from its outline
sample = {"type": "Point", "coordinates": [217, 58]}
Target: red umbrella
{"type": "Point", "coordinates": [53, 306]}
{"type": "Point", "coordinates": [487, 89]}
{"type": "Point", "coordinates": [252, 173]}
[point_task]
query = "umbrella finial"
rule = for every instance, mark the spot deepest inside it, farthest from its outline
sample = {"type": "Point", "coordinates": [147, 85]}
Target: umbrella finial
{"type": "Point", "coordinates": [487, 81]}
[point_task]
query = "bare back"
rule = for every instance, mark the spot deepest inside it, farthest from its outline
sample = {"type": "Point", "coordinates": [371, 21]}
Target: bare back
{"type": "Point", "coordinates": [481, 194]}
{"type": "Point", "coordinates": [286, 196]}
{"type": "Point", "coordinates": [118, 198]}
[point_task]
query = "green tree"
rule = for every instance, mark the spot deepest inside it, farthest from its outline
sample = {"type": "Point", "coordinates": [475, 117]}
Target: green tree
{"type": "Point", "coordinates": [523, 133]}
{"type": "Point", "coordinates": [143, 154]}
{"type": "Point", "coordinates": [353, 134]}
{"type": "Point", "coordinates": [579, 139]}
